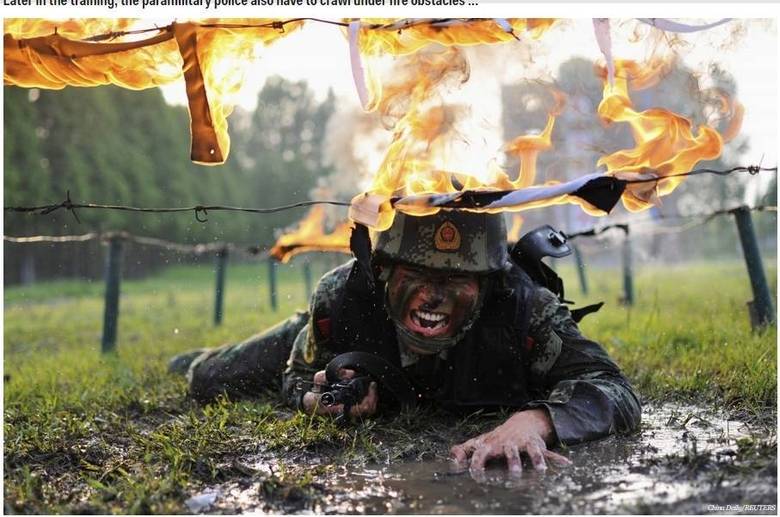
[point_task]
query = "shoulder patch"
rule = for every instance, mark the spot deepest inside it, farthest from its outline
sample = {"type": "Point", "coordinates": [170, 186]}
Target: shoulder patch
{"type": "Point", "coordinates": [326, 295]}
{"type": "Point", "coordinates": [323, 325]}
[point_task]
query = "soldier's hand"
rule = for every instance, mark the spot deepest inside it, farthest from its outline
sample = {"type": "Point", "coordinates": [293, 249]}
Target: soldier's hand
{"type": "Point", "coordinates": [526, 432]}
{"type": "Point", "coordinates": [366, 407]}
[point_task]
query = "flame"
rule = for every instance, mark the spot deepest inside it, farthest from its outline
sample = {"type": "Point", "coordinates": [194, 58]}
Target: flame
{"type": "Point", "coordinates": [387, 36]}
{"type": "Point", "coordinates": [212, 60]}
{"type": "Point", "coordinates": [513, 235]}
{"type": "Point", "coordinates": [53, 54]}
{"type": "Point", "coordinates": [528, 147]}
{"type": "Point", "coordinates": [71, 28]}
{"type": "Point", "coordinates": [421, 139]}
{"type": "Point", "coordinates": [665, 143]}
{"type": "Point", "coordinates": [399, 40]}
{"type": "Point", "coordinates": [310, 236]}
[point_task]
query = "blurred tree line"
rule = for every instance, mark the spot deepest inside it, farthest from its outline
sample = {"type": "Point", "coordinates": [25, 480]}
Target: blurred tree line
{"type": "Point", "coordinates": [109, 145]}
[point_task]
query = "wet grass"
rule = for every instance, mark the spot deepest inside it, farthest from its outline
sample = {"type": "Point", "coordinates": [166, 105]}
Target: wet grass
{"type": "Point", "coordinates": [688, 333]}
{"type": "Point", "coordinates": [87, 432]}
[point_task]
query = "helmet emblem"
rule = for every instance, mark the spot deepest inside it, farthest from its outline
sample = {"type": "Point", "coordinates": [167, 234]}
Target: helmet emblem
{"type": "Point", "coordinates": [447, 237]}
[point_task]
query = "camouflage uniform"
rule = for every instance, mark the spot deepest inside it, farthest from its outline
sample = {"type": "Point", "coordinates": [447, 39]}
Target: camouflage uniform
{"type": "Point", "coordinates": [246, 369]}
{"type": "Point", "coordinates": [521, 349]}
{"type": "Point", "coordinates": [585, 393]}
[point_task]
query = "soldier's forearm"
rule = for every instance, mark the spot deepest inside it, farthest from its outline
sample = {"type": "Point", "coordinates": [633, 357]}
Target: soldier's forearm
{"type": "Point", "coordinates": [591, 408]}
{"type": "Point", "coordinates": [295, 385]}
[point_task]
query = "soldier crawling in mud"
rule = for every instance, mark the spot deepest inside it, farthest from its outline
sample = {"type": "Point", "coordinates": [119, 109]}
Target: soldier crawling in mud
{"type": "Point", "coordinates": [442, 301]}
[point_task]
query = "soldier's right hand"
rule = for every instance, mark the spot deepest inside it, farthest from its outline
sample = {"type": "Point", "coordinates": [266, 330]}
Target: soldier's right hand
{"type": "Point", "coordinates": [366, 407]}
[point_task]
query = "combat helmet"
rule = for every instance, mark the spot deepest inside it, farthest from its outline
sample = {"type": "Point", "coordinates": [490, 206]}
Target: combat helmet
{"type": "Point", "coordinates": [454, 240]}
{"type": "Point", "coordinates": [458, 241]}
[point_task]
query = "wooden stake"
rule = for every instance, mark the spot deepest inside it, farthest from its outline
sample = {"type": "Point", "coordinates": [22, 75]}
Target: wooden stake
{"type": "Point", "coordinates": [580, 270]}
{"type": "Point", "coordinates": [761, 308]}
{"type": "Point", "coordinates": [219, 294]}
{"type": "Point", "coordinates": [111, 308]}
{"type": "Point", "coordinates": [272, 284]}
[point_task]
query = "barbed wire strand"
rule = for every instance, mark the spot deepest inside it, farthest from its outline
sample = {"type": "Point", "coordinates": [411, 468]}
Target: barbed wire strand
{"type": "Point", "coordinates": [196, 249]}
{"type": "Point", "coordinates": [751, 169]}
{"type": "Point", "coordinates": [199, 210]}
{"type": "Point", "coordinates": [202, 210]}
{"type": "Point", "coordinates": [254, 251]}
{"type": "Point", "coordinates": [697, 220]}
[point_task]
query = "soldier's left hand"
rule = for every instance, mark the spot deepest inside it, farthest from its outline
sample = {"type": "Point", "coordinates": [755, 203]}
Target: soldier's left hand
{"type": "Point", "coordinates": [366, 407]}
{"type": "Point", "coordinates": [526, 432]}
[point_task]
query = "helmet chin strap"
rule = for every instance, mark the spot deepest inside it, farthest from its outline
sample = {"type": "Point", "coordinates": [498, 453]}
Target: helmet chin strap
{"type": "Point", "coordinates": [435, 345]}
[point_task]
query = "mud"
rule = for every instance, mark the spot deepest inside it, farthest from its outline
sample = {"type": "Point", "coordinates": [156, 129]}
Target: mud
{"type": "Point", "coordinates": [685, 459]}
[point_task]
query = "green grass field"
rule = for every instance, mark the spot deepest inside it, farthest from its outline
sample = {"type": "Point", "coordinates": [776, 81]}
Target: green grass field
{"type": "Point", "coordinates": [115, 433]}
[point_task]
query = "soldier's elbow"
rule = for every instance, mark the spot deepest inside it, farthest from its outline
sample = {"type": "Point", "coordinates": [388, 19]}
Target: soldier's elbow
{"type": "Point", "coordinates": [632, 412]}
{"type": "Point", "coordinates": [202, 387]}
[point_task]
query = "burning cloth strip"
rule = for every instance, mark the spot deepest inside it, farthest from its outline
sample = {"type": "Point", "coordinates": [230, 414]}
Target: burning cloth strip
{"type": "Point", "coordinates": [212, 60]}
{"type": "Point", "coordinates": [600, 191]}
{"type": "Point", "coordinates": [596, 193]}
{"type": "Point", "coordinates": [604, 39]}
{"type": "Point", "coordinates": [310, 235]}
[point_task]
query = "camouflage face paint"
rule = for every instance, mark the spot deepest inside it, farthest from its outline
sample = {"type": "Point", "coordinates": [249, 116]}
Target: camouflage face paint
{"type": "Point", "coordinates": [432, 304]}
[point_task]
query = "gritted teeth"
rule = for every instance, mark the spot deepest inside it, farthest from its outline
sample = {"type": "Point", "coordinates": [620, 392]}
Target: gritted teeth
{"type": "Point", "coordinates": [430, 316]}
{"type": "Point", "coordinates": [428, 319]}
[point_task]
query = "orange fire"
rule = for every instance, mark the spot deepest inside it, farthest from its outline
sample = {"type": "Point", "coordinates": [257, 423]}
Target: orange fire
{"type": "Point", "coordinates": [401, 40]}
{"type": "Point", "coordinates": [665, 143]}
{"type": "Point", "coordinates": [422, 136]}
{"type": "Point", "coordinates": [310, 235]}
{"type": "Point", "coordinates": [387, 36]}
{"type": "Point", "coordinates": [513, 234]}
{"type": "Point", "coordinates": [528, 147]}
{"type": "Point", "coordinates": [49, 54]}
{"type": "Point", "coordinates": [73, 28]}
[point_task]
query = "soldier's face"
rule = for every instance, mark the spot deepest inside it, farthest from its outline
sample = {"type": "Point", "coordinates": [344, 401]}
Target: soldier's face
{"type": "Point", "coordinates": [431, 303]}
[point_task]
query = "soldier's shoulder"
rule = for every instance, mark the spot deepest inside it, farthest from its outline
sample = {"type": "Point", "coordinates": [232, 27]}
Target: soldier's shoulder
{"type": "Point", "coordinates": [330, 287]}
{"type": "Point", "coordinates": [543, 305]}
{"type": "Point", "coordinates": [516, 277]}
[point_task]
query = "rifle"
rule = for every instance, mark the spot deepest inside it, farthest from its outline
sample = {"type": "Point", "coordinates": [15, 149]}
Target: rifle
{"type": "Point", "coordinates": [370, 368]}
{"type": "Point", "coordinates": [347, 391]}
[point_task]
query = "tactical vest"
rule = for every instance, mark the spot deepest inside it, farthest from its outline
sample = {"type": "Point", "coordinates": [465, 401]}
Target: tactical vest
{"type": "Point", "coordinates": [487, 368]}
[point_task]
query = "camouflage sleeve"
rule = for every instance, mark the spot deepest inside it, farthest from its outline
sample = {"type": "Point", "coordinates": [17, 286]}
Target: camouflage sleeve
{"type": "Point", "coordinates": [312, 349]}
{"type": "Point", "coordinates": [248, 368]}
{"type": "Point", "coordinates": [587, 395]}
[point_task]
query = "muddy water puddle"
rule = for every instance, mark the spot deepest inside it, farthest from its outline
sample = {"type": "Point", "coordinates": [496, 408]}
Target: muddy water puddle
{"type": "Point", "coordinates": [684, 460]}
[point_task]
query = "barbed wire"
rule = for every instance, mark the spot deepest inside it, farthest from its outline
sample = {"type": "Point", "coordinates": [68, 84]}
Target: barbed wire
{"type": "Point", "coordinates": [751, 169]}
{"type": "Point", "coordinates": [254, 251]}
{"type": "Point", "coordinates": [70, 206]}
{"type": "Point", "coordinates": [203, 210]}
{"type": "Point", "coordinates": [699, 219]}
{"type": "Point", "coordinates": [593, 232]}
{"type": "Point", "coordinates": [196, 249]}
{"type": "Point", "coordinates": [52, 238]}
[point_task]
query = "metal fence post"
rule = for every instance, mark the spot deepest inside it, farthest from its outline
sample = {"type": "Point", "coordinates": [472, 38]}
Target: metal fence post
{"type": "Point", "coordinates": [307, 279]}
{"type": "Point", "coordinates": [761, 308]}
{"type": "Point", "coordinates": [111, 309]}
{"type": "Point", "coordinates": [272, 284]}
{"type": "Point", "coordinates": [628, 274]}
{"type": "Point", "coordinates": [581, 270]}
{"type": "Point", "coordinates": [219, 295]}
